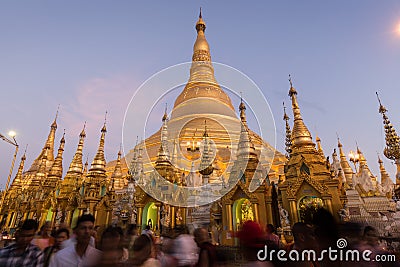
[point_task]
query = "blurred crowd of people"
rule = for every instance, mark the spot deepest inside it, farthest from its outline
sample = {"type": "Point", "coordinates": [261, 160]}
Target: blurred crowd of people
{"type": "Point", "coordinates": [85, 245]}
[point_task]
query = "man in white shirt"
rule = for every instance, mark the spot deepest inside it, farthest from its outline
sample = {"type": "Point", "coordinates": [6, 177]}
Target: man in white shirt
{"type": "Point", "coordinates": [81, 254]}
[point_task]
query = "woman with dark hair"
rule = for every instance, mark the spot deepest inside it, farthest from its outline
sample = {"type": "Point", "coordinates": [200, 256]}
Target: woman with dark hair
{"type": "Point", "coordinates": [144, 253]}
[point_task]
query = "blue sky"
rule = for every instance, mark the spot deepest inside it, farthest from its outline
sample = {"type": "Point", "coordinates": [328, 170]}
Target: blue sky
{"type": "Point", "coordinates": [91, 56]}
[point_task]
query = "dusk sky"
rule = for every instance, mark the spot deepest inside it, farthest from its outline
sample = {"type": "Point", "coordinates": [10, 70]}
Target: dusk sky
{"type": "Point", "coordinates": [91, 56]}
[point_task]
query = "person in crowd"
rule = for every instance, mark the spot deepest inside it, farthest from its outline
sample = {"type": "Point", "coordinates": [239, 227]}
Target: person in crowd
{"type": "Point", "coordinates": [304, 239]}
{"type": "Point", "coordinates": [72, 240]}
{"type": "Point", "coordinates": [22, 252]}
{"type": "Point", "coordinates": [165, 255]}
{"type": "Point", "coordinates": [185, 248]}
{"type": "Point", "coordinates": [131, 235]}
{"type": "Point", "coordinates": [111, 244]}
{"type": "Point", "coordinates": [61, 235]}
{"type": "Point", "coordinates": [81, 254]}
{"type": "Point", "coordinates": [148, 231]}
{"type": "Point", "coordinates": [144, 253]}
{"type": "Point", "coordinates": [208, 253]}
{"type": "Point", "coordinates": [44, 238]}
{"type": "Point", "coordinates": [252, 240]}
{"type": "Point", "coordinates": [271, 235]}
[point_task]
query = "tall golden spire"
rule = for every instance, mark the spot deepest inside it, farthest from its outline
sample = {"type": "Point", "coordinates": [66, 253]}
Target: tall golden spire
{"type": "Point", "coordinates": [17, 182]}
{"type": "Point", "coordinates": [56, 169]}
{"type": "Point", "coordinates": [50, 148]}
{"type": "Point", "coordinates": [76, 163]}
{"type": "Point", "coordinates": [392, 149]}
{"type": "Point", "coordinates": [300, 135]}
{"type": "Point", "coordinates": [202, 82]}
{"type": "Point", "coordinates": [116, 177]}
{"type": "Point", "coordinates": [288, 140]}
{"type": "Point", "coordinates": [201, 49]}
{"type": "Point", "coordinates": [99, 162]}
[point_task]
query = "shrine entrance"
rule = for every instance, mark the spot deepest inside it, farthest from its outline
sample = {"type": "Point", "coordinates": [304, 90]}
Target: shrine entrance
{"type": "Point", "coordinates": [307, 207]}
{"type": "Point", "coordinates": [149, 216]}
{"type": "Point", "coordinates": [242, 211]}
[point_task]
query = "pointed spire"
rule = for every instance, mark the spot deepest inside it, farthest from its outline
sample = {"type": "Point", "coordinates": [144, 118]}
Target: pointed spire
{"type": "Point", "coordinates": [116, 177]}
{"type": "Point", "coordinates": [348, 172]}
{"type": "Point", "coordinates": [164, 132]}
{"type": "Point", "coordinates": [242, 110]}
{"type": "Point", "coordinates": [300, 135]}
{"type": "Point", "coordinates": [319, 147]}
{"type": "Point", "coordinates": [56, 169]}
{"type": "Point", "coordinates": [392, 149]}
{"type": "Point", "coordinates": [99, 162]}
{"type": "Point", "coordinates": [17, 182]}
{"type": "Point", "coordinates": [54, 124]}
{"type": "Point", "coordinates": [76, 163]}
{"type": "Point", "coordinates": [288, 140]}
{"type": "Point", "coordinates": [201, 49]}
{"type": "Point", "coordinates": [202, 82]}
{"type": "Point", "coordinates": [50, 148]}
{"type": "Point", "coordinates": [165, 117]}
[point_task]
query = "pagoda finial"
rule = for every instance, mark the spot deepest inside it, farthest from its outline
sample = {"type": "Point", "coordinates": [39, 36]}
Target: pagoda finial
{"type": "Point", "coordinates": [201, 49]}
{"type": "Point", "coordinates": [300, 134]}
{"type": "Point", "coordinates": [104, 129]}
{"type": "Point", "coordinates": [288, 141]}
{"type": "Point", "coordinates": [165, 117]}
{"type": "Point", "coordinates": [242, 110]}
{"type": "Point", "coordinates": [76, 163]}
{"type": "Point", "coordinates": [392, 149]}
{"type": "Point", "coordinates": [99, 161]}
{"type": "Point", "coordinates": [54, 124]}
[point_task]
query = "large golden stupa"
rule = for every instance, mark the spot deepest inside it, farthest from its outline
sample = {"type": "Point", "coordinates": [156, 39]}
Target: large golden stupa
{"type": "Point", "coordinates": [203, 105]}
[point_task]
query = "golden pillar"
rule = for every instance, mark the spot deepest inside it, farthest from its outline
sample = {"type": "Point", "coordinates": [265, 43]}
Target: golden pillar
{"type": "Point", "coordinates": [229, 217]}
{"type": "Point", "coordinates": [293, 211]}
{"type": "Point", "coordinates": [53, 217]}
{"type": "Point", "coordinates": [158, 216]}
{"type": "Point", "coordinates": [139, 216]}
{"type": "Point", "coordinates": [255, 210]}
{"type": "Point", "coordinates": [173, 217]}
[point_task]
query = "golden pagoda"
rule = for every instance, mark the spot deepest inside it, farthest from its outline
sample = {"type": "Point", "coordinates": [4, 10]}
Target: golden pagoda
{"type": "Point", "coordinates": [204, 142]}
{"type": "Point", "coordinates": [308, 183]}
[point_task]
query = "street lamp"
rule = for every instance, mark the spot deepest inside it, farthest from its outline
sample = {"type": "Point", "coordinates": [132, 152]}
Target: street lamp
{"type": "Point", "coordinates": [354, 157]}
{"type": "Point", "coordinates": [13, 142]}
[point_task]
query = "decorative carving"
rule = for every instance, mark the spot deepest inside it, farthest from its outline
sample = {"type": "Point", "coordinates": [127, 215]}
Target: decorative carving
{"type": "Point", "coordinates": [293, 188]}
